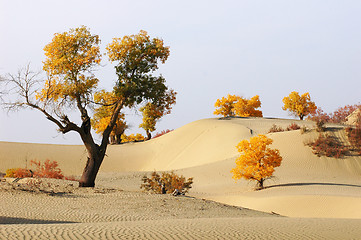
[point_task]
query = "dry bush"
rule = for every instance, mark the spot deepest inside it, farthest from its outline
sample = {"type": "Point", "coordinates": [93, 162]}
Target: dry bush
{"type": "Point", "coordinates": [18, 173]}
{"type": "Point", "coordinates": [293, 126]}
{"type": "Point", "coordinates": [275, 128]}
{"type": "Point", "coordinates": [162, 133]}
{"type": "Point", "coordinates": [326, 145]}
{"type": "Point", "coordinates": [48, 169]}
{"type": "Point", "coordinates": [354, 136]}
{"type": "Point", "coordinates": [320, 126]}
{"type": "Point", "coordinates": [166, 183]}
{"type": "Point", "coordinates": [319, 115]}
{"type": "Point", "coordinates": [340, 115]}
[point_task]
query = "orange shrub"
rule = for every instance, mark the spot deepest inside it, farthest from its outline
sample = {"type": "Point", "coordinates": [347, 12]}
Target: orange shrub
{"type": "Point", "coordinates": [47, 170]}
{"type": "Point", "coordinates": [18, 173]}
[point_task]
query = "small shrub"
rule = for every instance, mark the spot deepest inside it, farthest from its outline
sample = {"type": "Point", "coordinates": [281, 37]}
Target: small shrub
{"type": "Point", "coordinates": [293, 126]}
{"type": "Point", "coordinates": [47, 170]}
{"type": "Point", "coordinates": [320, 126]}
{"type": "Point", "coordinates": [319, 115]}
{"type": "Point", "coordinates": [304, 129]}
{"type": "Point", "coordinates": [275, 128]}
{"type": "Point", "coordinates": [18, 173]}
{"type": "Point", "coordinates": [354, 136]}
{"type": "Point", "coordinates": [166, 183]}
{"type": "Point", "coordinates": [162, 133]}
{"type": "Point", "coordinates": [341, 114]}
{"type": "Point", "coordinates": [328, 146]}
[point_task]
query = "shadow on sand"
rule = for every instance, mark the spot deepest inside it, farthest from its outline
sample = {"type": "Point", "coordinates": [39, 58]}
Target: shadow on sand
{"type": "Point", "coordinates": [312, 184]}
{"type": "Point", "coordinates": [13, 220]}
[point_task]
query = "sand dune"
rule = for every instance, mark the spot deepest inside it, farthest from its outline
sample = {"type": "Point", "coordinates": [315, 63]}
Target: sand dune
{"type": "Point", "coordinates": [305, 187]}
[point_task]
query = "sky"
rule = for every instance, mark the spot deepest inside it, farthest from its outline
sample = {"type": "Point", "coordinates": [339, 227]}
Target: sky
{"type": "Point", "coordinates": [245, 47]}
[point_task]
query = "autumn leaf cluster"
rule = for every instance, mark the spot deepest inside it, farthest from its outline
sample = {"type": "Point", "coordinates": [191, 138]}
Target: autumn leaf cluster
{"type": "Point", "coordinates": [233, 105]}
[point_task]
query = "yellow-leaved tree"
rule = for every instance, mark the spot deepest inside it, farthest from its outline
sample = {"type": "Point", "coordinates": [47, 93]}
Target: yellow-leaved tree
{"type": "Point", "coordinates": [299, 106]}
{"type": "Point", "coordinates": [103, 114]}
{"type": "Point", "coordinates": [225, 106]}
{"type": "Point", "coordinates": [71, 58]}
{"type": "Point", "coordinates": [152, 112]}
{"type": "Point", "coordinates": [247, 107]}
{"type": "Point", "coordinates": [257, 160]}
{"type": "Point", "coordinates": [234, 105]}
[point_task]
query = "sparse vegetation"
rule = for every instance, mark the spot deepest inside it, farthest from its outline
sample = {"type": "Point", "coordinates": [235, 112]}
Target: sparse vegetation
{"type": "Point", "coordinates": [275, 128]}
{"type": "Point", "coordinates": [162, 133]}
{"type": "Point", "coordinates": [166, 183]}
{"type": "Point", "coordinates": [293, 126]}
{"type": "Point", "coordinates": [290, 127]}
{"type": "Point", "coordinates": [48, 169]}
{"type": "Point", "coordinates": [354, 135]}
{"type": "Point", "coordinates": [338, 116]}
{"type": "Point", "coordinates": [329, 146]}
{"type": "Point", "coordinates": [320, 125]}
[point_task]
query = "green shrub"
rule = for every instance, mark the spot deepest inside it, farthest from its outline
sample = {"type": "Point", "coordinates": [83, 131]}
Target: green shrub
{"type": "Point", "coordinates": [166, 183]}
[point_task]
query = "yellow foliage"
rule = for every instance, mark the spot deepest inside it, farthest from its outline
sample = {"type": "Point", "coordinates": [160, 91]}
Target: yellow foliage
{"type": "Point", "coordinates": [247, 107]}
{"type": "Point", "coordinates": [102, 115]}
{"type": "Point", "coordinates": [300, 106]}
{"type": "Point", "coordinates": [138, 48]}
{"type": "Point", "coordinates": [257, 160]}
{"type": "Point", "coordinates": [69, 58]}
{"type": "Point", "coordinates": [225, 105]}
{"type": "Point", "coordinates": [132, 137]}
{"type": "Point", "coordinates": [234, 105]}
{"type": "Point", "coordinates": [153, 112]}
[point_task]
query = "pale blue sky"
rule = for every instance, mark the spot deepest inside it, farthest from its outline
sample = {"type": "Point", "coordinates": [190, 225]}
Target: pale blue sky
{"type": "Point", "coordinates": [268, 47]}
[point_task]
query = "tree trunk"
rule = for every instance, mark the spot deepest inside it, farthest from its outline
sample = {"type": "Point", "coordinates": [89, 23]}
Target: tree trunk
{"type": "Point", "coordinates": [260, 184]}
{"type": "Point", "coordinates": [149, 135]}
{"type": "Point", "coordinates": [90, 171]}
{"type": "Point", "coordinates": [95, 156]}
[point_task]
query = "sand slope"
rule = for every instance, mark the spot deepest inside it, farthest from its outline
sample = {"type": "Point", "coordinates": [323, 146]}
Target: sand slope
{"type": "Point", "coordinates": [304, 186]}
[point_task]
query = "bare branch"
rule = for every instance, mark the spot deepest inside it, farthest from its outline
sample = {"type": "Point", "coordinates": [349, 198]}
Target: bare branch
{"type": "Point", "coordinates": [25, 84]}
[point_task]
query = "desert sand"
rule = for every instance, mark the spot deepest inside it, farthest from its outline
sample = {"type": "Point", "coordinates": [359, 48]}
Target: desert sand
{"type": "Point", "coordinates": [309, 197]}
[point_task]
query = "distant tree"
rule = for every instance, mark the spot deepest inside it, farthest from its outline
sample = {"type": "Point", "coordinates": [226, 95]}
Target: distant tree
{"type": "Point", "coordinates": [300, 106]}
{"type": "Point", "coordinates": [257, 160]}
{"type": "Point", "coordinates": [152, 112]}
{"type": "Point", "coordinates": [70, 60]}
{"type": "Point", "coordinates": [225, 106]}
{"type": "Point", "coordinates": [247, 107]}
{"type": "Point", "coordinates": [234, 105]}
{"type": "Point", "coordinates": [132, 137]}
